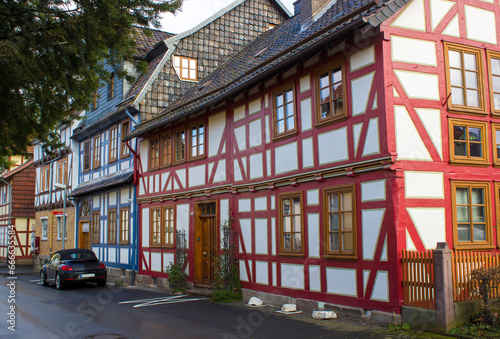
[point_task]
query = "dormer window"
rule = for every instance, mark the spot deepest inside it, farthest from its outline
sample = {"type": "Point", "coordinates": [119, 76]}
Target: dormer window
{"type": "Point", "coordinates": [186, 68]}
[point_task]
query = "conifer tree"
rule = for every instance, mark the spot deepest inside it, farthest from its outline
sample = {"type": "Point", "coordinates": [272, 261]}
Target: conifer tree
{"type": "Point", "coordinates": [51, 59]}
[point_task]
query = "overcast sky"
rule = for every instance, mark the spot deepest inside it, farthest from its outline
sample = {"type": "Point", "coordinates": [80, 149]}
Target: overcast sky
{"type": "Point", "coordinates": [195, 11]}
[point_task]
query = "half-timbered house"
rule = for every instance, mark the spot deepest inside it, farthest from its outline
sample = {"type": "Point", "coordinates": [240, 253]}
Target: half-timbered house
{"type": "Point", "coordinates": [17, 215]}
{"type": "Point", "coordinates": [55, 172]}
{"type": "Point", "coordinates": [107, 221]}
{"type": "Point", "coordinates": [350, 132]}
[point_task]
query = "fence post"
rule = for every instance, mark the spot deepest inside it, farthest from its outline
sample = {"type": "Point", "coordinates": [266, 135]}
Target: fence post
{"type": "Point", "coordinates": [445, 309]}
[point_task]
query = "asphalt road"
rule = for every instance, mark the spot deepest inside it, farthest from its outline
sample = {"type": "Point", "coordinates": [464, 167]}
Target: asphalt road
{"type": "Point", "coordinates": [115, 312]}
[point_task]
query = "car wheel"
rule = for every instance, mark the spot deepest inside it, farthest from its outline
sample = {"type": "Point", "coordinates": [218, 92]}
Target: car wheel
{"type": "Point", "coordinates": [59, 282]}
{"type": "Point", "coordinates": [101, 283]}
{"type": "Point", "coordinates": [43, 279]}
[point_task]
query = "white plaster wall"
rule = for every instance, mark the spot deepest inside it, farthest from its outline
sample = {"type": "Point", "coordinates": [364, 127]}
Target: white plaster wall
{"type": "Point", "coordinates": [371, 221]}
{"type": "Point", "coordinates": [261, 272]}
{"type": "Point", "coordinates": [124, 254]}
{"type": "Point", "coordinates": [216, 127]}
{"type": "Point", "coordinates": [292, 276]}
{"type": "Point", "coordinates": [439, 8]}
{"type": "Point", "coordinates": [312, 197]}
{"type": "Point", "coordinates": [431, 119]}
{"type": "Point", "coordinates": [381, 286]}
{"type": "Point", "coordinates": [244, 205]}
{"type": "Point", "coordinates": [112, 254]}
{"type": "Point", "coordinates": [328, 153]}
{"type": "Point", "coordinates": [306, 114]}
{"type": "Point", "coordinates": [255, 128]}
{"type": "Point", "coordinates": [341, 281]}
{"type": "Point", "coordinates": [314, 278]}
{"type": "Point", "coordinates": [481, 24]}
{"type": "Point", "coordinates": [373, 190]}
{"type": "Point", "coordinates": [419, 85]}
{"type": "Point", "coordinates": [261, 236]}
{"type": "Point", "coordinates": [256, 166]}
{"type": "Point", "coordinates": [361, 88]}
{"type": "Point", "coordinates": [286, 158]}
{"type": "Point", "coordinates": [239, 113]}
{"type": "Point", "coordinates": [246, 232]}
{"type": "Point", "coordinates": [167, 259]}
{"type": "Point", "coordinates": [145, 227]}
{"type": "Point", "coordinates": [430, 224]}
{"type": "Point", "coordinates": [181, 174]}
{"type": "Point", "coordinates": [260, 204]}
{"type": "Point", "coordinates": [363, 58]}
{"type": "Point", "coordinates": [427, 185]}
{"type": "Point", "coordinates": [409, 144]}
{"type": "Point", "coordinates": [254, 106]}
{"type": "Point", "coordinates": [412, 17]}
{"type": "Point", "coordinates": [305, 83]}
{"type": "Point", "coordinates": [414, 51]}
{"type": "Point", "coordinates": [220, 172]}
{"type": "Point", "coordinates": [241, 137]}
{"type": "Point", "coordinates": [156, 262]}
{"type": "Point", "coordinates": [243, 270]}
{"type": "Point", "coordinates": [313, 228]}
{"type": "Point", "coordinates": [144, 151]}
{"type": "Point", "coordinates": [372, 138]}
{"type": "Point", "coordinates": [197, 176]}
{"type": "Point", "coordinates": [307, 153]}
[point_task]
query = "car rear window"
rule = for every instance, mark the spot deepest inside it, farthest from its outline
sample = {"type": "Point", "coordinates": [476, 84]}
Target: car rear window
{"type": "Point", "coordinates": [79, 256]}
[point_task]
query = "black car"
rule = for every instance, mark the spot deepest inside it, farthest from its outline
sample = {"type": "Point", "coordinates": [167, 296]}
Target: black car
{"type": "Point", "coordinates": [71, 266]}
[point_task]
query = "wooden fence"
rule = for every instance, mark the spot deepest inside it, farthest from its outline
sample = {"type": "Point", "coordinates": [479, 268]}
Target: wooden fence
{"type": "Point", "coordinates": [463, 265]}
{"type": "Point", "coordinates": [418, 279]}
{"type": "Point", "coordinates": [418, 276]}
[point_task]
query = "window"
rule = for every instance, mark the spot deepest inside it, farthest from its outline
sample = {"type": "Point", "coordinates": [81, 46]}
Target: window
{"type": "Point", "coordinates": [291, 225]}
{"type": "Point", "coordinates": [45, 178]}
{"type": "Point", "coordinates": [154, 153]}
{"type": "Point", "coordinates": [162, 226]}
{"type": "Point", "coordinates": [125, 152]}
{"type": "Point", "coordinates": [284, 112]}
{"type": "Point", "coordinates": [166, 150]}
{"type": "Point", "coordinates": [62, 136]}
{"type": "Point", "coordinates": [124, 225]}
{"type": "Point", "coordinates": [331, 105]}
{"type": "Point", "coordinates": [468, 142]}
{"type": "Point", "coordinates": [494, 67]}
{"type": "Point", "coordinates": [85, 210]}
{"type": "Point", "coordinates": [62, 172]}
{"type": "Point", "coordinates": [111, 86]}
{"type": "Point", "coordinates": [112, 226]}
{"type": "Point", "coordinates": [180, 145]}
{"type": "Point", "coordinates": [197, 137]}
{"type": "Point", "coordinates": [113, 143]}
{"type": "Point", "coordinates": [156, 226]}
{"type": "Point", "coordinates": [168, 226]}
{"type": "Point", "coordinates": [340, 222]}
{"type": "Point", "coordinates": [497, 199]}
{"type": "Point", "coordinates": [45, 226]}
{"type": "Point", "coordinates": [60, 226]}
{"type": "Point", "coordinates": [96, 158]}
{"type": "Point", "coordinates": [186, 68]}
{"type": "Point", "coordinates": [471, 214]}
{"type": "Point", "coordinates": [94, 235]}
{"type": "Point", "coordinates": [86, 156]}
{"type": "Point", "coordinates": [464, 78]}
{"type": "Point", "coordinates": [496, 143]}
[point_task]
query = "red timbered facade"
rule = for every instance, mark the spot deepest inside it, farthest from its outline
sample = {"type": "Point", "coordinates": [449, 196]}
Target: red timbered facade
{"type": "Point", "coordinates": [330, 144]}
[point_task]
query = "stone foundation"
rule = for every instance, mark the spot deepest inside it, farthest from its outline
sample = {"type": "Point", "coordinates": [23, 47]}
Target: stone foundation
{"type": "Point", "coordinates": [307, 306]}
{"type": "Point", "coordinates": [120, 276]}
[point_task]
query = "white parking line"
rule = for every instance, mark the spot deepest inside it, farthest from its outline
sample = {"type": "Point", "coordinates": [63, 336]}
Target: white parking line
{"type": "Point", "coordinates": [160, 301]}
{"type": "Point", "coordinates": [37, 281]}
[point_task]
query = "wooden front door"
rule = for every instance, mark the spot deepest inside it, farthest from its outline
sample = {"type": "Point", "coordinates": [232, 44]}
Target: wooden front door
{"type": "Point", "coordinates": [84, 235]}
{"type": "Point", "coordinates": [206, 241]}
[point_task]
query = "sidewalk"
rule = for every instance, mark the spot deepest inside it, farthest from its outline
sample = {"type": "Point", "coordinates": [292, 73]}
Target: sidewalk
{"type": "Point", "coordinates": [23, 269]}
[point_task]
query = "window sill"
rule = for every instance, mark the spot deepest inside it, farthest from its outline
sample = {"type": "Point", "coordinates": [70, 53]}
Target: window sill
{"type": "Point", "coordinates": [469, 163]}
{"type": "Point", "coordinates": [329, 121]}
{"type": "Point", "coordinates": [467, 110]}
{"type": "Point", "coordinates": [124, 242]}
{"type": "Point", "coordinates": [292, 254]}
{"type": "Point", "coordinates": [286, 135]}
{"type": "Point", "coordinates": [473, 247]}
{"type": "Point", "coordinates": [340, 256]}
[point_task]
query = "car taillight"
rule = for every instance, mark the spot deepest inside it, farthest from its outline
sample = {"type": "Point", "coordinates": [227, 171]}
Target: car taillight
{"type": "Point", "coordinates": [101, 265]}
{"type": "Point", "coordinates": [66, 268]}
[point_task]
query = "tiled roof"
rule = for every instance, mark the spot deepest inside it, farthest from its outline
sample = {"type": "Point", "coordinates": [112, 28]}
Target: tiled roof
{"type": "Point", "coordinates": [105, 182]}
{"type": "Point", "coordinates": [17, 169]}
{"type": "Point", "coordinates": [283, 44]}
{"type": "Point", "coordinates": [145, 42]}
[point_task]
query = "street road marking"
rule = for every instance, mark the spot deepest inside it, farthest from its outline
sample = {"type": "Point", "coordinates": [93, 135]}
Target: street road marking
{"type": "Point", "coordinates": [37, 281]}
{"type": "Point", "coordinates": [160, 301]}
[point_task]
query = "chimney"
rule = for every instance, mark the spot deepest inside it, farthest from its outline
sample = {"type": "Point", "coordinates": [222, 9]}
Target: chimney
{"type": "Point", "coordinates": [307, 9]}
{"type": "Point", "coordinates": [296, 7]}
